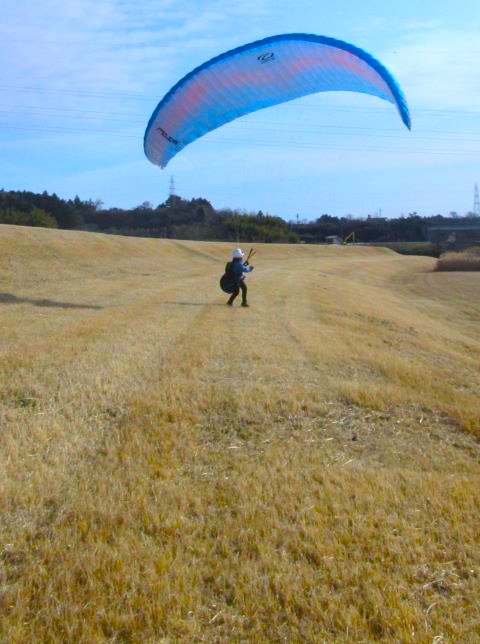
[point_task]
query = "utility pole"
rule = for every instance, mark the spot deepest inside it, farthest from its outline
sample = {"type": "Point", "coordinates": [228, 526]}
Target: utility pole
{"type": "Point", "coordinates": [476, 202]}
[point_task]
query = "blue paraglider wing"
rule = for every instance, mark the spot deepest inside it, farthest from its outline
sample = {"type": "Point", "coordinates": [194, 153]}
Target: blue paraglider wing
{"type": "Point", "coordinates": [258, 75]}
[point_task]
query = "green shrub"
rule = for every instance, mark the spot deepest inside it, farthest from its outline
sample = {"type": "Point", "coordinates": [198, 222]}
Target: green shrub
{"type": "Point", "coordinates": [36, 217]}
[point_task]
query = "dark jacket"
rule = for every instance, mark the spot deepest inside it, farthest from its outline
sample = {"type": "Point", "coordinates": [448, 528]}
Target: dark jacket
{"type": "Point", "coordinates": [237, 269]}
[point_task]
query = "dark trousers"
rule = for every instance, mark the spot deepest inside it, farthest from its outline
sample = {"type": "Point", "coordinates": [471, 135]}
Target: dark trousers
{"type": "Point", "coordinates": [241, 286]}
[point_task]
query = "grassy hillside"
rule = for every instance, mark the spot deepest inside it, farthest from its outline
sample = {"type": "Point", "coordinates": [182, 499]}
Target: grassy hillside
{"type": "Point", "coordinates": [175, 470]}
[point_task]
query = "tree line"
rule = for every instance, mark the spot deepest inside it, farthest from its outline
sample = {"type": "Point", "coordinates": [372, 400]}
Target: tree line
{"type": "Point", "coordinates": [197, 219]}
{"type": "Point", "coordinates": [176, 218]}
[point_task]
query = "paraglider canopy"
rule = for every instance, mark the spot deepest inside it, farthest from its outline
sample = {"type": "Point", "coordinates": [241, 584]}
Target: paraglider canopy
{"type": "Point", "coordinates": [258, 75]}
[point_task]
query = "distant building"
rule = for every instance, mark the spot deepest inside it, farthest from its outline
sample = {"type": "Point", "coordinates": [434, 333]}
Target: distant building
{"type": "Point", "coordinates": [455, 235]}
{"type": "Point", "coordinates": [333, 239]}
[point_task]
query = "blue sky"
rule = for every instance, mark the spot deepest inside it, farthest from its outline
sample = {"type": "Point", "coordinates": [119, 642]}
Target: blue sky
{"type": "Point", "coordinates": [80, 79]}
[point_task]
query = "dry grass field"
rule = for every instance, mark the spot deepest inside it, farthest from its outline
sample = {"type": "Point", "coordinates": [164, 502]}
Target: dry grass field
{"type": "Point", "coordinates": [460, 261]}
{"type": "Point", "coordinates": [174, 470]}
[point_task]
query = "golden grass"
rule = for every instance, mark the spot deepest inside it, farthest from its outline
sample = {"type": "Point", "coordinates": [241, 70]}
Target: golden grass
{"type": "Point", "coordinates": [174, 470]}
{"type": "Point", "coordinates": [457, 261]}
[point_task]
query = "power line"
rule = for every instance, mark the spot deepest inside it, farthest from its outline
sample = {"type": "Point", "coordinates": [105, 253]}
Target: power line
{"type": "Point", "coordinates": [49, 108]}
{"type": "Point", "coordinates": [337, 130]}
{"type": "Point", "coordinates": [70, 130]}
{"type": "Point", "coordinates": [256, 143]}
{"type": "Point", "coordinates": [78, 92]}
{"type": "Point", "coordinates": [145, 97]}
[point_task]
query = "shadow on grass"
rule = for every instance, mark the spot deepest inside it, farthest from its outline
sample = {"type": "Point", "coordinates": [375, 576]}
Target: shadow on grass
{"type": "Point", "coordinates": [194, 303]}
{"type": "Point", "coordinates": [9, 298]}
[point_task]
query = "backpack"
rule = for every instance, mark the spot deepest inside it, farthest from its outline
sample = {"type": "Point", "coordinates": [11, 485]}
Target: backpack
{"type": "Point", "coordinates": [227, 281]}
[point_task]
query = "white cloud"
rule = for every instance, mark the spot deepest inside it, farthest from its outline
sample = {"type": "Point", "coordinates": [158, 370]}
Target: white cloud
{"type": "Point", "coordinates": [67, 60]}
{"type": "Point", "coordinates": [109, 44]}
{"type": "Point", "coordinates": [438, 68]}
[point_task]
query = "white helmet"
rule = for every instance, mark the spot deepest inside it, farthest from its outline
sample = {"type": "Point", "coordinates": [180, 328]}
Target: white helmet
{"type": "Point", "coordinates": [238, 253]}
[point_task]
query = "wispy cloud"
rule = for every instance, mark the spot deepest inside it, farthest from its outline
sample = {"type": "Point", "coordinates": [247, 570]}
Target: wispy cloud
{"type": "Point", "coordinates": [110, 45]}
{"type": "Point", "coordinates": [72, 63]}
{"type": "Point", "coordinates": [438, 67]}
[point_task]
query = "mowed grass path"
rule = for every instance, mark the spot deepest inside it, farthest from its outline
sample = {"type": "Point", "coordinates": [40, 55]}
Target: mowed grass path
{"type": "Point", "coordinates": [175, 470]}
